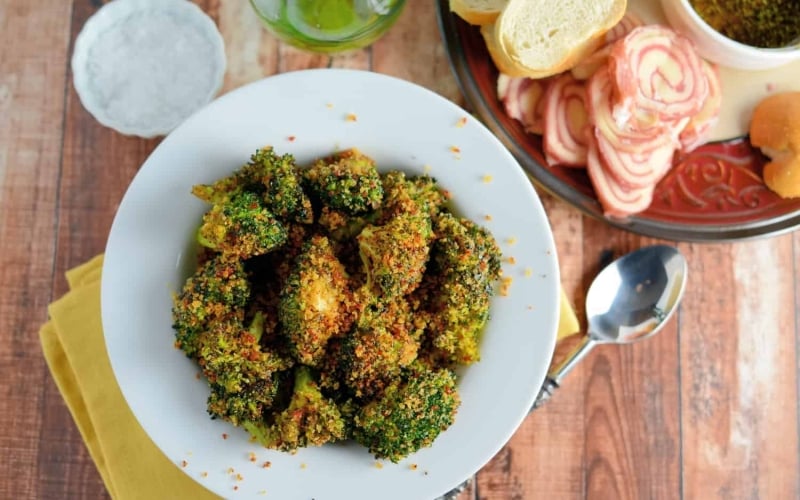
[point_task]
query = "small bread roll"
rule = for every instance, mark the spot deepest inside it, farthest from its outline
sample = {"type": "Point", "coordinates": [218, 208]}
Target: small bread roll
{"type": "Point", "coordinates": [775, 128]}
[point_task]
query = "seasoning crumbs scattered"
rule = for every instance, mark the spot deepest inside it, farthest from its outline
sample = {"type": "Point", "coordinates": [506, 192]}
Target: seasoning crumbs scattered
{"type": "Point", "coordinates": [425, 472]}
{"type": "Point", "coordinates": [239, 477]}
{"type": "Point", "coordinates": [262, 492]}
{"type": "Point", "coordinates": [184, 463]}
{"type": "Point", "coordinates": [351, 117]}
{"type": "Point", "coordinates": [487, 179]}
{"type": "Point", "coordinates": [252, 457]}
{"type": "Point", "coordinates": [329, 105]}
{"type": "Point", "coordinates": [267, 464]}
{"type": "Point", "coordinates": [505, 285]}
{"type": "Point", "coordinates": [461, 122]}
{"type": "Point", "coordinates": [204, 474]}
{"type": "Point", "coordinates": [530, 308]}
{"type": "Point", "coordinates": [235, 488]}
{"type": "Point", "coordinates": [426, 168]}
{"type": "Point", "coordinates": [230, 470]}
{"type": "Point", "coordinates": [487, 217]}
{"type": "Point", "coordinates": [413, 466]}
{"type": "Point", "coordinates": [303, 465]}
{"type": "Point", "coordinates": [291, 138]}
{"type": "Point", "coordinates": [511, 259]}
{"type": "Point", "coordinates": [455, 149]}
{"type": "Point", "coordinates": [293, 452]}
{"type": "Point", "coordinates": [528, 272]}
{"type": "Point", "coordinates": [511, 240]}
{"type": "Point", "coordinates": [378, 465]}
{"type": "Point", "coordinates": [224, 436]}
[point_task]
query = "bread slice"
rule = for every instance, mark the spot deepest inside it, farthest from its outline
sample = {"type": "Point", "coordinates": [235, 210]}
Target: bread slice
{"type": "Point", "coordinates": [478, 12]}
{"type": "Point", "coordinates": [538, 38]}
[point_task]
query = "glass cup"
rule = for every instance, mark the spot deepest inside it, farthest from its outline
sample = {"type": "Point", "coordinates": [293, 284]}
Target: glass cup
{"type": "Point", "coordinates": [328, 25]}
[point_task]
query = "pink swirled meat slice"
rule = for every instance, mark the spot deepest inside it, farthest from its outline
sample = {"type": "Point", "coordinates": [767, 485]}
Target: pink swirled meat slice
{"type": "Point", "coordinates": [657, 75]}
{"type": "Point", "coordinates": [522, 100]}
{"type": "Point", "coordinates": [566, 122]}
{"type": "Point", "coordinates": [616, 199]}
{"type": "Point", "coordinates": [700, 126]}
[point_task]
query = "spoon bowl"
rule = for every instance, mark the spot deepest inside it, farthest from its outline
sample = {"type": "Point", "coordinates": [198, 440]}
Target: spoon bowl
{"type": "Point", "coordinates": [630, 299]}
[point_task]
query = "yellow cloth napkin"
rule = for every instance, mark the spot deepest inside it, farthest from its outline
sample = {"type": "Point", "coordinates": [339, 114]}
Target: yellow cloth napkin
{"type": "Point", "coordinates": [130, 464]}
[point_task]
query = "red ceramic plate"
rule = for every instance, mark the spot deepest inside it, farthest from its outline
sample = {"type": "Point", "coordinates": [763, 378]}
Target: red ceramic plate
{"type": "Point", "coordinates": [714, 193]}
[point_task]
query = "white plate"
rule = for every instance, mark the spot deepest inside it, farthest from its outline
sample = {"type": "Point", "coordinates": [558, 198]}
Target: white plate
{"type": "Point", "coordinates": [402, 126]}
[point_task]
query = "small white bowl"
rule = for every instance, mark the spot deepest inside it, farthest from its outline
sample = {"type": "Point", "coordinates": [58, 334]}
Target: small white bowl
{"type": "Point", "coordinates": [141, 67]}
{"type": "Point", "coordinates": [718, 48]}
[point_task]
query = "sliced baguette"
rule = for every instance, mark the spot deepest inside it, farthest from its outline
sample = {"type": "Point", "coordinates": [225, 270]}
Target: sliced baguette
{"type": "Point", "coordinates": [538, 38]}
{"type": "Point", "coordinates": [478, 12]}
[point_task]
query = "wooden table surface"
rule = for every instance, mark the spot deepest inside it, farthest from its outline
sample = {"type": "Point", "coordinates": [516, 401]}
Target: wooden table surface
{"type": "Point", "coordinates": [707, 409]}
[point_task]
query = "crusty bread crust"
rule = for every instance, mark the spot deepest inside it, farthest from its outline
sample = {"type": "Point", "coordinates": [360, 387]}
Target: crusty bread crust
{"type": "Point", "coordinates": [502, 42]}
{"type": "Point", "coordinates": [775, 129]}
{"type": "Point", "coordinates": [478, 12]}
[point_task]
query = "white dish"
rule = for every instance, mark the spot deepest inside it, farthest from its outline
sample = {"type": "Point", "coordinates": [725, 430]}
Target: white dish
{"type": "Point", "coordinates": [142, 67]}
{"type": "Point", "coordinates": [720, 49]}
{"type": "Point", "coordinates": [310, 114]}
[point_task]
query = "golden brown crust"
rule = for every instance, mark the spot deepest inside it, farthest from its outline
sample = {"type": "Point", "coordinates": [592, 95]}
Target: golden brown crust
{"type": "Point", "coordinates": [775, 128]}
{"type": "Point", "coordinates": [474, 17]}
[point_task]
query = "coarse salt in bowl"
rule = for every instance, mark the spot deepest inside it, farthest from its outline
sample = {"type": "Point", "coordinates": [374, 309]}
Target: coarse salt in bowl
{"type": "Point", "coordinates": [142, 67]}
{"type": "Point", "coordinates": [718, 48]}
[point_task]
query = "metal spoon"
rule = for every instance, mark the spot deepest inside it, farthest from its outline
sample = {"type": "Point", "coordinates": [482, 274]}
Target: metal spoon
{"type": "Point", "coordinates": [631, 299]}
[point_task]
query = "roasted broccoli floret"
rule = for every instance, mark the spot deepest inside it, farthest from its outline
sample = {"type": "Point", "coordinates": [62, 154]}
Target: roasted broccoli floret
{"type": "Point", "coordinates": [241, 373]}
{"type": "Point", "coordinates": [284, 195]}
{"type": "Point", "coordinates": [272, 177]}
{"type": "Point", "coordinates": [315, 302]}
{"type": "Point", "coordinates": [409, 415]}
{"type": "Point", "coordinates": [241, 227]}
{"type": "Point", "coordinates": [467, 260]}
{"type": "Point", "coordinates": [395, 254]}
{"type": "Point", "coordinates": [385, 340]}
{"type": "Point", "coordinates": [410, 195]}
{"type": "Point", "coordinates": [346, 181]}
{"type": "Point", "coordinates": [217, 292]}
{"type": "Point", "coordinates": [311, 419]}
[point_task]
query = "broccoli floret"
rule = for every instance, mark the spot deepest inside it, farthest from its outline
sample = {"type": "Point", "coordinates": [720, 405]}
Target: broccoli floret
{"type": "Point", "coordinates": [346, 181]}
{"type": "Point", "coordinates": [217, 292]}
{"type": "Point", "coordinates": [246, 179]}
{"type": "Point", "coordinates": [241, 373]}
{"type": "Point", "coordinates": [284, 195]}
{"type": "Point", "coordinates": [409, 416]}
{"type": "Point", "coordinates": [241, 227]}
{"type": "Point", "coordinates": [270, 176]}
{"type": "Point", "coordinates": [467, 260]}
{"type": "Point", "coordinates": [311, 419]}
{"type": "Point", "coordinates": [341, 227]}
{"type": "Point", "coordinates": [315, 303]}
{"type": "Point", "coordinates": [410, 195]}
{"type": "Point", "coordinates": [385, 340]}
{"type": "Point", "coordinates": [395, 254]}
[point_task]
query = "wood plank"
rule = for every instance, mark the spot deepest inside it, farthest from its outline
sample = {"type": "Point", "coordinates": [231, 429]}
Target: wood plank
{"type": "Point", "coordinates": [739, 375]}
{"type": "Point", "coordinates": [32, 76]}
{"type": "Point", "coordinates": [412, 50]}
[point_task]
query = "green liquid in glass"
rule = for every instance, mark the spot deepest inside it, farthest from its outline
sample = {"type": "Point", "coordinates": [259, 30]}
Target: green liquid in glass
{"type": "Point", "coordinates": [328, 25]}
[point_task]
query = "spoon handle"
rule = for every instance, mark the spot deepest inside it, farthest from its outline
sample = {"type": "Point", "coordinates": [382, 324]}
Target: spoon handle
{"type": "Point", "coordinates": [548, 388]}
{"type": "Point", "coordinates": [553, 379]}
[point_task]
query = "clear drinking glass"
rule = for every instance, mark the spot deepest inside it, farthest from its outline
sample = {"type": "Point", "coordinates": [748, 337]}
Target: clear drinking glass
{"type": "Point", "coordinates": [328, 25]}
